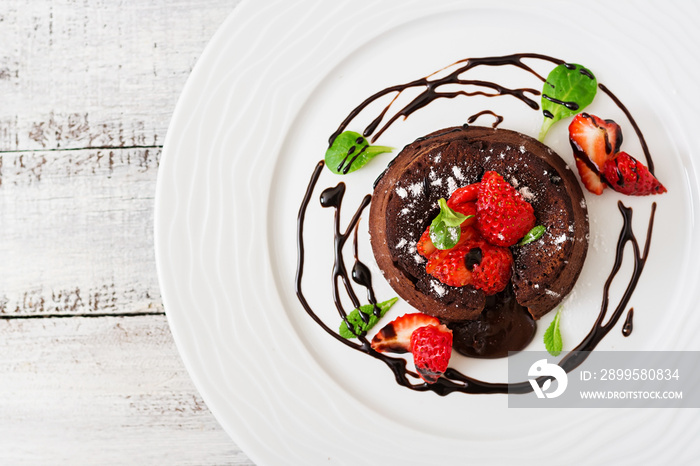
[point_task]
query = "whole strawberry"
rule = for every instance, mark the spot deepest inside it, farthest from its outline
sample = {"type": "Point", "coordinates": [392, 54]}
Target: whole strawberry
{"type": "Point", "coordinates": [503, 217]}
{"type": "Point", "coordinates": [431, 347]}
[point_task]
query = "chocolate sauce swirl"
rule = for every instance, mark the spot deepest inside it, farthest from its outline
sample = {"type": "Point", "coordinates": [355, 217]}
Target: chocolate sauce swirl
{"type": "Point", "coordinates": [453, 380]}
{"type": "Point", "coordinates": [431, 90]}
{"type": "Point", "coordinates": [332, 197]}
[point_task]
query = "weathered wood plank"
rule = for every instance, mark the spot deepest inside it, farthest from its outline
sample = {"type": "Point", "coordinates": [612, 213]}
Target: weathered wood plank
{"type": "Point", "coordinates": [97, 73]}
{"type": "Point", "coordinates": [77, 232]}
{"type": "Point", "coordinates": [102, 391]}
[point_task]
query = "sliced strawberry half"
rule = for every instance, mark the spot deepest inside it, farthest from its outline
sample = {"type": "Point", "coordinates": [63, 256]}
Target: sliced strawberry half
{"type": "Point", "coordinates": [449, 266]}
{"type": "Point", "coordinates": [431, 347]}
{"type": "Point", "coordinates": [494, 270]}
{"type": "Point", "coordinates": [425, 246]}
{"type": "Point", "coordinates": [472, 262]}
{"type": "Point", "coordinates": [594, 141]}
{"type": "Point", "coordinates": [465, 208]}
{"type": "Point", "coordinates": [395, 337]}
{"type": "Point", "coordinates": [590, 179]}
{"type": "Point", "coordinates": [627, 175]}
{"type": "Point", "coordinates": [503, 217]}
{"type": "Point", "coordinates": [464, 194]}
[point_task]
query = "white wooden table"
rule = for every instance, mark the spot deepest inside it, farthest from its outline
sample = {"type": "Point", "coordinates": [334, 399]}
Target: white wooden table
{"type": "Point", "coordinates": [89, 372]}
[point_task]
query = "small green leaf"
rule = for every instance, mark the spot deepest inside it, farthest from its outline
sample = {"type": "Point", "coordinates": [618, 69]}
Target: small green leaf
{"type": "Point", "coordinates": [568, 89]}
{"type": "Point", "coordinates": [445, 229]}
{"type": "Point", "coordinates": [552, 336]}
{"type": "Point", "coordinates": [449, 216]}
{"type": "Point", "coordinates": [361, 326]}
{"type": "Point", "coordinates": [350, 151]}
{"type": "Point", "coordinates": [533, 235]}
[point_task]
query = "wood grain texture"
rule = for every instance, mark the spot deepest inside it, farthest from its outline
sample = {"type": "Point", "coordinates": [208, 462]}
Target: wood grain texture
{"type": "Point", "coordinates": [78, 228]}
{"type": "Point", "coordinates": [97, 73]}
{"type": "Point", "coordinates": [69, 395]}
{"type": "Point", "coordinates": [89, 372]}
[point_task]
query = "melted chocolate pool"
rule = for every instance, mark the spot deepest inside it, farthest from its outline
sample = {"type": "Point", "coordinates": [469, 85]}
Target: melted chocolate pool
{"type": "Point", "coordinates": [504, 326]}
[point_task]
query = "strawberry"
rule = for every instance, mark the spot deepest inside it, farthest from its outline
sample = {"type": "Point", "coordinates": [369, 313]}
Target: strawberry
{"type": "Point", "coordinates": [465, 208]}
{"type": "Point", "coordinates": [590, 179]}
{"type": "Point", "coordinates": [431, 347]}
{"type": "Point", "coordinates": [424, 336]}
{"type": "Point", "coordinates": [395, 337]}
{"type": "Point", "coordinates": [465, 194]}
{"type": "Point", "coordinates": [627, 175]}
{"type": "Point", "coordinates": [493, 272]}
{"type": "Point", "coordinates": [502, 216]}
{"type": "Point", "coordinates": [594, 141]}
{"type": "Point", "coordinates": [449, 266]}
{"type": "Point", "coordinates": [473, 262]}
{"type": "Point", "coordinates": [425, 246]}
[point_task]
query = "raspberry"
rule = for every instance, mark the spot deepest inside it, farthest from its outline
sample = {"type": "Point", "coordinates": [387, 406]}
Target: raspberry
{"type": "Point", "coordinates": [431, 347]}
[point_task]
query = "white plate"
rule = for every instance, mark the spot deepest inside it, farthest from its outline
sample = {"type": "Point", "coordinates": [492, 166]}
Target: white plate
{"type": "Point", "coordinates": [254, 118]}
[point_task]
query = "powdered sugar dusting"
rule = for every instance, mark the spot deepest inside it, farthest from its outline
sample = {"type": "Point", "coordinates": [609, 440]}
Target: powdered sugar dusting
{"type": "Point", "coordinates": [458, 173]}
{"type": "Point", "coordinates": [451, 185]}
{"type": "Point", "coordinates": [438, 289]}
{"type": "Point", "coordinates": [401, 192]}
{"type": "Point", "coordinates": [416, 189]}
{"type": "Point", "coordinates": [401, 243]}
{"type": "Point", "coordinates": [560, 239]}
{"type": "Point", "coordinates": [526, 193]}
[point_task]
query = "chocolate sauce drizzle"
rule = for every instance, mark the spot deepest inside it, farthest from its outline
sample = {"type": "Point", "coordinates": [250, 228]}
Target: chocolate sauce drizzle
{"type": "Point", "coordinates": [628, 325]}
{"type": "Point", "coordinates": [499, 118]}
{"type": "Point", "coordinates": [453, 380]}
{"type": "Point", "coordinates": [431, 90]}
{"type": "Point", "coordinates": [640, 136]}
{"type": "Point", "coordinates": [332, 197]}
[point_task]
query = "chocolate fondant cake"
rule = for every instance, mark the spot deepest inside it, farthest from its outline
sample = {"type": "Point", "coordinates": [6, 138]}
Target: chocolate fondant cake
{"type": "Point", "coordinates": [405, 202]}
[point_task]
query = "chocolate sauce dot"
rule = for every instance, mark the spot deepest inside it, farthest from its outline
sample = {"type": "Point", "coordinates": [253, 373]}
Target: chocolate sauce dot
{"type": "Point", "coordinates": [332, 197]}
{"type": "Point", "coordinates": [473, 258]}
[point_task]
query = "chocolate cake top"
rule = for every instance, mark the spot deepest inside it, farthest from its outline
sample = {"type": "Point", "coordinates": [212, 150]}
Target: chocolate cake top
{"type": "Point", "coordinates": [405, 202]}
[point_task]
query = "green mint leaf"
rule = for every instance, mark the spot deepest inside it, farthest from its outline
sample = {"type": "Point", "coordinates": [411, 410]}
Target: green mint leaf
{"type": "Point", "coordinates": [533, 235]}
{"type": "Point", "coordinates": [552, 336]}
{"type": "Point", "coordinates": [449, 216]}
{"type": "Point", "coordinates": [350, 151]}
{"type": "Point", "coordinates": [568, 89]}
{"type": "Point", "coordinates": [445, 229]}
{"type": "Point", "coordinates": [358, 324]}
